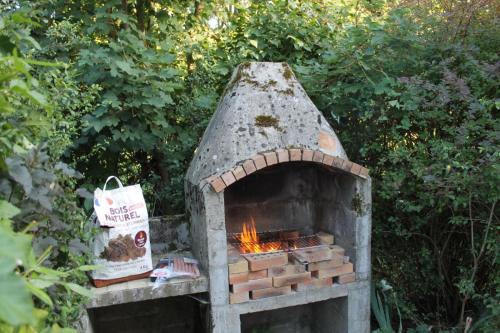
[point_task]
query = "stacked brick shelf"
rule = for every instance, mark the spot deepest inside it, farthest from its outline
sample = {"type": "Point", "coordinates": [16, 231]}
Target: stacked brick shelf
{"type": "Point", "coordinates": [255, 276]}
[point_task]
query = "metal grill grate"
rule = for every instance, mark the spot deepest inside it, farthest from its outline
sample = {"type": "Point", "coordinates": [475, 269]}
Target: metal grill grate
{"type": "Point", "coordinates": [303, 242]}
{"type": "Point", "coordinates": [271, 240]}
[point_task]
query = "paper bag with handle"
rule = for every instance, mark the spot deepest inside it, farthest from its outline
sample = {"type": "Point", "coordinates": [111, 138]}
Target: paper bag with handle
{"type": "Point", "coordinates": [121, 247]}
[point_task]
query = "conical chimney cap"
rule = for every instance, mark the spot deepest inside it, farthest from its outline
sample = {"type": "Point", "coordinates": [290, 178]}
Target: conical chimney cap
{"type": "Point", "coordinates": [263, 108]}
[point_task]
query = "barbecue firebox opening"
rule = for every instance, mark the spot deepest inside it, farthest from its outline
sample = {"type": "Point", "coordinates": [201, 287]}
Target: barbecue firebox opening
{"type": "Point", "coordinates": [286, 231]}
{"type": "Point", "coordinates": [286, 206]}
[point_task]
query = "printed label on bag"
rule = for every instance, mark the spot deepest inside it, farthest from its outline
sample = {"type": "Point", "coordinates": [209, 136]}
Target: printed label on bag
{"type": "Point", "coordinates": [140, 238]}
{"type": "Point", "coordinates": [122, 248]}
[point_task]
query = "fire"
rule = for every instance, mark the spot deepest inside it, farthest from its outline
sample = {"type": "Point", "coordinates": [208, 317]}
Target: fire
{"type": "Point", "coordinates": [250, 243]}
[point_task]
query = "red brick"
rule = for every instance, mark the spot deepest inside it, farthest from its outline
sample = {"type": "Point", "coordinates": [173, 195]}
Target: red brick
{"type": "Point", "coordinates": [232, 250]}
{"type": "Point", "coordinates": [217, 183]}
{"type": "Point", "coordinates": [337, 250]}
{"type": "Point", "coordinates": [270, 292]}
{"type": "Point", "coordinates": [295, 154]}
{"type": "Point", "coordinates": [347, 166]}
{"type": "Point", "coordinates": [249, 167]}
{"type": "Point", "coordinates": [259, 261]}
{"type": "Point", "coordinates": [282, 155]}
{"type": "Point", "coordinates": [328, 159]}
{"type": "Point", "coordinates": [257, 274]}
{"type": "Point", "coordinates": [259, 161]}
{"type": "Point", "coordinates": [363, 172]}
{"type": "Point", "coordinates": [237, 265]}
{"type": "Point", "coordinates": [325, 238]}
{"type": "Point", "coordinates": [355, 169]}
{"type": "Point", "coordinates": [228, 178]}
{"type": "Point", "coordinates": [313, 284]}
{"type": "Point", "coordinates": [286, 270]}
{"type": "Point", "coordinates": [239, 297]}
{"type": "Point", "coordinates": [332, 272]}
{"type": "Point", "coordinates": [239, 172]}
{"type": "Point", "coordinates": [289, 279]}
{"type": "Point", "coordinates": [336, 261]}
{"type": "Point", "coordinates": [252, 285]}
{"type": "Point", "coordinates": [338, 162]}
{"type": "Point", "coordinates": [238, 278]}
{"type": "Point", "coordinates": [315, 254]}
{"type": "Point", "coordinates": [307, 155]}
{"type": "Point", "coordinates": [347, 278]}
{"type": "Point", "coordinates": [271, 158]}
{"type": "Point", "coordinates": [318, 157]}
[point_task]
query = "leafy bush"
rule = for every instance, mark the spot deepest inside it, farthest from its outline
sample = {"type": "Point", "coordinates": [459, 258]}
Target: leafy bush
{"type": "Point", "coordinates": [42, 236]}
{"type": "Point", "coordinates": [423, 117]}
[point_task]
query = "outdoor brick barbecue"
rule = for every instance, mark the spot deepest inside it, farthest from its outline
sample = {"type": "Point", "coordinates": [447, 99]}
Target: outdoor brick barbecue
{"type": "Point", "coordinates": [280, 218]}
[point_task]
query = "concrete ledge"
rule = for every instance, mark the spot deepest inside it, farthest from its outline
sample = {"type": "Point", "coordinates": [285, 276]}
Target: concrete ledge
{"type": "Point", "coordinates": [296, 298]}
{"type": "Point", "coordinates": [142, 290]}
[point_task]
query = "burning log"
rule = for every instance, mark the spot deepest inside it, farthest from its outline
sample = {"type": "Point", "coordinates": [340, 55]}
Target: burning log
{"type": "Point", "coordinates": [250, 242]}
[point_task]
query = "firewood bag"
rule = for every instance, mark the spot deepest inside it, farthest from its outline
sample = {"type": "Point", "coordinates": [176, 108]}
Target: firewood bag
{"type": "Point", "coordinates": [121, 246]}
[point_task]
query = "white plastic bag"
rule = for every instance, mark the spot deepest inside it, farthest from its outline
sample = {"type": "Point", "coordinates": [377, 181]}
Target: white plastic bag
{"type": "Point", "coordinates": [121, 246]}
{"type": "Point", "coordinates": [169, 268]}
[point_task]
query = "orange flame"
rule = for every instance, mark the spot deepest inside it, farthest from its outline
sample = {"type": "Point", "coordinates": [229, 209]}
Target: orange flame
{"type": "Point", "coordinates": [250, 243]}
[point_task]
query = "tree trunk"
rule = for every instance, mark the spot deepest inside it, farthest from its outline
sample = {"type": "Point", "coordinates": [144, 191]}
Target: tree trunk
{"type": "Point", "coordinates": [140, 14]}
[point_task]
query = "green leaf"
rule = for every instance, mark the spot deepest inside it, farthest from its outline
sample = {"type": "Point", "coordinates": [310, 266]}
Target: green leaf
{"type": "Point", "coordinates": [125, 66]}
{"type": "Point", "coordinates": [86, 268]}
{"type": "Point", "coordinates": [8, 210]}
{"type": "Point", "coordinates": [57, 329]}
{"type": "Point", "coordinates": [37, 97]}
{"type": "Point", "coordinates": [15, 249]}
{"type": "Point", "coordinates": [20, 173]}
{"type": "Point", "coordinates": [38, 292]}
{"type": "Point", "coordinates": [6, 46]}
{"type": "Point", "coordinates": [16, 305]}
{"type": "Point", "coordinates": [50, 272]}
{"type": "Point", "coordinates": [42, 283]}
{"type": "Point", "coordinates": [77, 289]}
{"type": "Point", "coordinates": [394, 103]}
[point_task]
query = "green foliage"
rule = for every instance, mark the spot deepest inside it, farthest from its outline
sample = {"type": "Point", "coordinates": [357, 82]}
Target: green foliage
{"type": "Point", "coordinates": [380, 307]}
{"type": "Point", "coordinates": [42, 250]}
{"type": "Point", "coordinates": [412, 91]}
{"type": "Point", "coordinates": [24, 275]}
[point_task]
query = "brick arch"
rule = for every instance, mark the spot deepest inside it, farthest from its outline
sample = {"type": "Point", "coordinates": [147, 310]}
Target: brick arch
{"type": "Point", "coordinates": [263, 160]}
